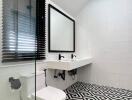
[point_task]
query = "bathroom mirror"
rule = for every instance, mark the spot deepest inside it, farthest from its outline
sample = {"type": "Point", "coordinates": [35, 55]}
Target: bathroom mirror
{"type": "Point", "coordinates": [61, 31]}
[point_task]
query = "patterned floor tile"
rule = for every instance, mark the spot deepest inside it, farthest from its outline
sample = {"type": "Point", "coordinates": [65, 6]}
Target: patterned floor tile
{"type": "Point", "coordinates": [86, 91]}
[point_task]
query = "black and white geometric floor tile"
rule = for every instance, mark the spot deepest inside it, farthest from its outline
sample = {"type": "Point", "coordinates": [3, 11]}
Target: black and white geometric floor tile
{"type": "Point", "coordinates": [86, 91]}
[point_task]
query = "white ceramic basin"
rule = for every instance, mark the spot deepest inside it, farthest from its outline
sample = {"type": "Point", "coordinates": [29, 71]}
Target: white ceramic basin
{"type": "Point", "coordinates": [67, 64]}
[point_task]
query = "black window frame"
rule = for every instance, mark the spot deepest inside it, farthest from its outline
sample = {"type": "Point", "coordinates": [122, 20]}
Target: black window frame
{"type": "Point", "coordinates": [39, 53]}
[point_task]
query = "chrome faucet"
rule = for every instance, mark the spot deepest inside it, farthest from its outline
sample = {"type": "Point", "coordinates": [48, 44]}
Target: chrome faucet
{"type": "Point", "coordinates": [61, 57]}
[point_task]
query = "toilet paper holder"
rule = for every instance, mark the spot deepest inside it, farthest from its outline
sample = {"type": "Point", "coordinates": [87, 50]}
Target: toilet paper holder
{"type": "Point", "coordinates": [15, 83]}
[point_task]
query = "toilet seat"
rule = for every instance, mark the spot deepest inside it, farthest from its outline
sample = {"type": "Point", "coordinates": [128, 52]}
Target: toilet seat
{"type": "Point", "coordinates": [50, 93]}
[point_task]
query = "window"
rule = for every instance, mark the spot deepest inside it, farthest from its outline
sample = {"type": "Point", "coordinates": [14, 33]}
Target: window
{"type": "Point", "coordinates": [23, 32]}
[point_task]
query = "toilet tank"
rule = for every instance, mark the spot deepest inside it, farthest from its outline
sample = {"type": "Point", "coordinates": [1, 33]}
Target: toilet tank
{"type": "Point", "coordinates": [28, 83]}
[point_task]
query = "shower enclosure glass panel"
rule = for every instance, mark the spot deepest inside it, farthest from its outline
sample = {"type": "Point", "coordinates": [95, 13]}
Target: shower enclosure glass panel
{"type": "Point", "coordinates": [18, 19]}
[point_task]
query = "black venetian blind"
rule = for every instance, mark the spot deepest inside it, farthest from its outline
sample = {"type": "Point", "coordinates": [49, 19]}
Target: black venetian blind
{"type": "Point", "coordinates": [41, 37]}
{"type": "Point", "coordinates": [23, 30]}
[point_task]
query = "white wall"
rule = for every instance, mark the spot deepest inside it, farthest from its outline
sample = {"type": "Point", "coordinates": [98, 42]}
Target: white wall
{"type": "Point", "coordinates": [108, 27]}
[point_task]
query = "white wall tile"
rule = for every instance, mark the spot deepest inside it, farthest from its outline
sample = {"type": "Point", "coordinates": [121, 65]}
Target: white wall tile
{"type": "Point", "coordinates": [107, 25]}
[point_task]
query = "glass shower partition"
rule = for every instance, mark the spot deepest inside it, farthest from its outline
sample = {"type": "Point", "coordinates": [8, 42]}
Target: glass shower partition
{"type": "Point", "coordinates": [22, 30]}
{"type": "Point", "coordinates": [19, 46]}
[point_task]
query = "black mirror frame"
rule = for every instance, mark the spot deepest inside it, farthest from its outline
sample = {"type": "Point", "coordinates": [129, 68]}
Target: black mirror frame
{"type": "Point", "coordinates": [49, 32]}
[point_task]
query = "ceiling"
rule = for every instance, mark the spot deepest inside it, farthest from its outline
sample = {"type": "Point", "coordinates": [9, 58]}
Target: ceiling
{"type": "Point", "coordinates": [73, 7]}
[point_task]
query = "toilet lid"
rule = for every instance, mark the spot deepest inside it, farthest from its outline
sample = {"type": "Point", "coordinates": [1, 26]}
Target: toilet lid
{"type": "Point", "coordinates": [50, 93]}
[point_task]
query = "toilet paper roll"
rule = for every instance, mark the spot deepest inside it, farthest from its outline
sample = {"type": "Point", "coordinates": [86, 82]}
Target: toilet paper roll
{"type": "Point", "coordinates": [14, 85]}
{"type": "Point", "coordinates": [13, 90]}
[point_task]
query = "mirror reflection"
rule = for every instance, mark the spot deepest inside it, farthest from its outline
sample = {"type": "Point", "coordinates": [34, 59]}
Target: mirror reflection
{"type": "Point", "coordinates": [61, 31]}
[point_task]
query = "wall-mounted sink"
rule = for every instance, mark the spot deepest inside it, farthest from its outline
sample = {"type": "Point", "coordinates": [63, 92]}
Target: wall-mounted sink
{"type": "Point", "coordinates": [67, 64]}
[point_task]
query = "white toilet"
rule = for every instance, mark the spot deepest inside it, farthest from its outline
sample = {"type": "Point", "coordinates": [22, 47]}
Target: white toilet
{"type": "Point", "coordinates": [42, 93]}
